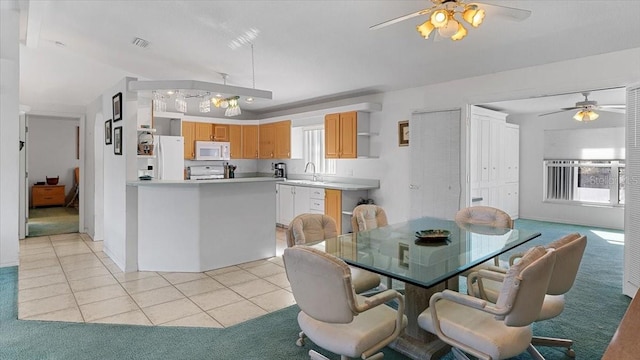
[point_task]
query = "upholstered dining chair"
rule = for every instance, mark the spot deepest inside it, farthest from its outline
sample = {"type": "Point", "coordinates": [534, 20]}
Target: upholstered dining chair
{"type": "Point", "coordinates": [493, 331]}
{"type": "Point", "coordinates": [569, 250]}
{"type": "Point", "coordinates": [367, 217]}
{"type": "Point", "coordinates": [306, 228]}
{"type": "Point", "coordinates": [322, 287]}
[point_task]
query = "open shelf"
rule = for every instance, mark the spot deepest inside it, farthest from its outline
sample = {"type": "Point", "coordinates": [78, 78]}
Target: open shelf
{"type": "Point", "coordinates": [150, 130]}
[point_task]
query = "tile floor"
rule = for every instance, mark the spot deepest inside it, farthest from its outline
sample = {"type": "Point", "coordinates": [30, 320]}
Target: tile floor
{"type": "Point", "coordinates": [69, 278]}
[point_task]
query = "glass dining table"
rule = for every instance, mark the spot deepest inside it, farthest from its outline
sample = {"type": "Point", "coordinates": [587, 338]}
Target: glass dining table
{"type": "Point", "coordinates": [427, 255]}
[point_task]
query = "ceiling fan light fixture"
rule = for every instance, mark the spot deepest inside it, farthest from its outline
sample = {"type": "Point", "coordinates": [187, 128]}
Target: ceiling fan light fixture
{"type": "Point", "coordinates": [450, 29]}
{"type": "Point", "coordinates": [460, 34]}
{"type": "Point", "coordinates": [473, 14]}
{"type": "Point", "coordinates": [425, 29]}
{"type": "Point", "coordinates": [440, 18]}
{"type": "Point", "coordinates": [586, 115]}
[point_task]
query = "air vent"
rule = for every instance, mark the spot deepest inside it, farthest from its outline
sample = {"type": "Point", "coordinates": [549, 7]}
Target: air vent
{"type": "Point", "coordinates": [140, 42]}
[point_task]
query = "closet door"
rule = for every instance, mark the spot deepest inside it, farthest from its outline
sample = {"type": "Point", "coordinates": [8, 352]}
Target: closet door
{"type": "Point", "coordinates": [631, 279]}
{"type": "Point", "coordinates": [435, 164]}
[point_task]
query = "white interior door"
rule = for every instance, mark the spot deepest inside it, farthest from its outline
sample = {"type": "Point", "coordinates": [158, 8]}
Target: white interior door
{"type": "Point", "coordinates": [436, 158]}
{"type": "Point", "coordinates": [23, 229]}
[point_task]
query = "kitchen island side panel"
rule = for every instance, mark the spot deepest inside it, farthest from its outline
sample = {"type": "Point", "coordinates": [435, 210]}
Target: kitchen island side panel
{"type": "Point", "coordinates": [238, 223]}
{"type": "Point", "coordinates": [168, 230]}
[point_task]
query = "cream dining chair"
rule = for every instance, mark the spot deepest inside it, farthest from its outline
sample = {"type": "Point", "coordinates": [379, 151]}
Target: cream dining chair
{"type": "Point", "coordinates": [493, 331]}
{"type": "Point", "coordinates": [306, 228]}
{"type": "Point", "coordinates": [332, 315]}
{"type": "Point", "coordinates": [569, 250]}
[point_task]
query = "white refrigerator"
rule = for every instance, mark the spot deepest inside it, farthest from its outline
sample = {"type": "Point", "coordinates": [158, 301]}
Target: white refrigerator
{"type": "Point", "coordinates": [170, 155]}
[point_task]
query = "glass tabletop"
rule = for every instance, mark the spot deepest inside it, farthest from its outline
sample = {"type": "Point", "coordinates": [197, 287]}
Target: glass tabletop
{"type": "Point", "coordinates": [424, 251]}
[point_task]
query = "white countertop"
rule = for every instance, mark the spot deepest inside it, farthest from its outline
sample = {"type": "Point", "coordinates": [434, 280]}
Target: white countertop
{"type": "Point", "coordinates": [344, 186]}
{"type": "Point", "coordinates": [202, 182]}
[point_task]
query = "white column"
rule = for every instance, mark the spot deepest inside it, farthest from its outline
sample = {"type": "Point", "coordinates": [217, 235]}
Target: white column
{"type": "Point", "coordinates": [9, 134]}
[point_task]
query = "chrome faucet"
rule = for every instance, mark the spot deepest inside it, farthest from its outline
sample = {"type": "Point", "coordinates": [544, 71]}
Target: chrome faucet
{"type": "Point", "coordinates": [315, 177]}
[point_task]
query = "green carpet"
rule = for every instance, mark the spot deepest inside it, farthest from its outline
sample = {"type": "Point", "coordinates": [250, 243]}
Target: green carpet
{"type": "Point", "coordinates": [52, 221]}
{"type": "Point", "coordinates": [594, 308]}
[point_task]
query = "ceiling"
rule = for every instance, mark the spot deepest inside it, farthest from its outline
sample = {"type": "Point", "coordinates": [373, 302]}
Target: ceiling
{"type": "Point", "coordinates": [305, 51]}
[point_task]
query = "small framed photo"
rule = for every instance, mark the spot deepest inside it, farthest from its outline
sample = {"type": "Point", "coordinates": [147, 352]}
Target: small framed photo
{"type": "Point", "coordinates": [403, 133]}
{"type": "Point", "coordinates": [117, 107]}
{"type": "Point", "coordinates": [117, 140]}
{"type": "Point", "coordinates": [108, 132]}
{"type": "Point", "coordinates": [403, 255]}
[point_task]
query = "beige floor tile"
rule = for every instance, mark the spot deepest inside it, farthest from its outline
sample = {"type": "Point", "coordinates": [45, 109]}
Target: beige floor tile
{"type": "Point", "coordinates": [101, 255]}
{"type": "Point", "coordinates": [42, 306]}
{"type": "Point", "coordinates": [136, 275]}
{"type": "Point", "coordinates": [279, 280]}
{"type": "Point", "coordinates": [136, 317]}
{"type": "Point", "coordinates": [65, 236]}
{"type": "Point", "coordinates": [106, 308]}
{"type": "Point", "coordinates": [235, 277]}
{"type": "Point", "coordinates": [41, 281]}
{"type": "Point", "coordinates": [157, 296]}
{"type": "Point", "coordinates": [254, 288]}
{"type": "Point", "coordinates": [216, 298]}
{"type": "Point", "coordinates": [71, 314]}
{"type": "Point", "coordinates": [76, 258]}
{"type": "Point", "coordinates": [35, 245]}
{"type": "Point", "coordinates": [59, 243]}
{"type": "Point", "coordinates": [236, 313]}
{"type": "Point", "coordinates": [115, 270]}
{"type": "Point", "coordinates": [277, 260]}
{"type": "Point", "coordinates": [38, 264]}
{"type": "Point", "coordinates": [170, 311]}
{"type": "Point", "coordinates": [198, 320]}
{"type": "Point", "coordinates": [99, 294]}
{"type": "Point", "coordinates": [80, 274]}
{"type": "Point", "coordinates": [95, 246]}
{"type": "Point", "coordinates": [145, 284]}
{"type": "Point", "coordinates": [92, 283]}
{"type": "Point", "coordinates": [192, 288]}
{"type": "Point", "coordinates": [273, 301]}
{"type": "Point", "coordinates": [223, 270]}
{"type": "Point", "coordinates": [252, 264]}
{"type": "Point", "coordinates": [37, 257]}
{"type": "Point", "coordinates": [43, 292]}
{"type": "Point", "coordinates": [37, 250]}
{"type": "Point", "coordinates": [177, 278]}
{"type": "Point", "coordinates": [77, 265]}
{"type": "Point", "coordinates": [43, 271]}
{"type": "Point", "coordinates": [75, 249]}
{"type": "Point", "coordinates": [266, 269]}
{"type": "Point", "coordinates": [87, 237]}
{"type": "Point", "coordinates": [36, 240]}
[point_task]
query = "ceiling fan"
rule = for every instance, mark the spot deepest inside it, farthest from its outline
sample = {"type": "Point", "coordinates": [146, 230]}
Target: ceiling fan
{"type": "Point", "coordinates": [446, 17]}
{"type": "Point", "coordinates": [587, 109]}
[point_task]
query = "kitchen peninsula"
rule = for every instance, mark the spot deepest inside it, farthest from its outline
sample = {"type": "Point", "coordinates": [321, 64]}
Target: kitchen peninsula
{"type": "Point", "coordinates": [201, 225]}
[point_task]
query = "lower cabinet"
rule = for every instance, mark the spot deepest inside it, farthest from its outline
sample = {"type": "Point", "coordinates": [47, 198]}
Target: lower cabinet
{"type": "Point", "coordinates": [46, 195]}
{"type": "Point", "coordinates": [292, 201]}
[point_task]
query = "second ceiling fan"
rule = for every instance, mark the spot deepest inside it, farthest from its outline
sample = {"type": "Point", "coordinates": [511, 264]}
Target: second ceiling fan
{"type": "Point", "coordinates": [587, 108]}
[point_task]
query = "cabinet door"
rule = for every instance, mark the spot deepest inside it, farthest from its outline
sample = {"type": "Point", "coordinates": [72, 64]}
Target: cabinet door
{"type": "Point", "coordinates": [286, 204]}
{"type": "Point", "coordinates": [267, 136]}
{"type": "Point", "coordinates": [220, 132]}
{"type": "Point", "coordinates": [484, 147]}
{"type": "Point", "coordinates": [189, 134]}
{"type": "Point", "coordinates": [204, 132]}
{"type": "Point", "coordinates": [301, 200]}
{"type": "Point", "coordinates": [333, 206]}
{"type": "Point", "coordinates": [332, 136]}
{"type": "Point", "coordinates": [283, 140]}
{"type": "Point", "coordinates": [496, 148]}
{"type": "Point", "coordinates": [249, 141]}
{"type": "Point", "coordinates": [235, 138]}
{"type": "Point", "coordinates": [512, 149]}
{"type": "Point", "coordinates": [349, 135]}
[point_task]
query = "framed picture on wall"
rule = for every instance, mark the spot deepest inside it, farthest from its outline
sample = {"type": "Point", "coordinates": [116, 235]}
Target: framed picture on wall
{"type": "Point", "coordinates": [117, 140]}
{"type": "Point", "coordinates": [107, 132]}
{"type": "Point", "coordinates": [117, 107]}
{"type": "Point", "coordinates": [403, 133]}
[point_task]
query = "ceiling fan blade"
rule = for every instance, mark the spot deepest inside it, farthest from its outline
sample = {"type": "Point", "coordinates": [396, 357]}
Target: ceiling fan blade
{"type": "Point", "coordinates": [613, 110]}
{"type": "Point", "coordinates": [510, 13]}
{"type": "Point", "coordinates": [571, 108]}
{"type": "Point", "coordinates": [401, 18]}
{"type": "Point", "coordinates": [555, 112]}
{"type": "Point", "coordinates": [613, 106]}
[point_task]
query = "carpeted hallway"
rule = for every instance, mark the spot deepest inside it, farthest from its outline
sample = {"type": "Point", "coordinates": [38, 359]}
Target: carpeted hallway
{"type": "Point", "coordinates": [594, 308]}
{"type": "Point", "coordinates": [52, 221]}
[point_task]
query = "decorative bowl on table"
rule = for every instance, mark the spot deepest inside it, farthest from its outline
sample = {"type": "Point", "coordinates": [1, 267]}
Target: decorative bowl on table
{"type": "Point", "coordinates": [52, 181]}
{"type": "Point", "coordinates": [432, 236]}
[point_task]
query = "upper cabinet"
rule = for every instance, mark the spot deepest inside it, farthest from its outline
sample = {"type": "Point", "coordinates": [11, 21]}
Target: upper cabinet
{"type": "Point", "coordinates": [235, 139]}
{"type": "Point", "coordinates": [249, 141]}
{"type": "Point", "coordinates": [275, 140]}
{"type": "Point", "coordinates": [347, 135]}
{"type": "Point", "coordinates": [220, 132]}
{"type": "Point", "coordinates": [189, 134]}
{"type": "Point", "coordinates": [204, 132]}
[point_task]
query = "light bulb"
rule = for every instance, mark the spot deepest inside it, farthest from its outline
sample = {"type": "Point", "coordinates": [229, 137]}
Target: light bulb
{"type": "Point", "coordinates": [224, 103]}
{"type": "Point", "coordinates": [439, 18]}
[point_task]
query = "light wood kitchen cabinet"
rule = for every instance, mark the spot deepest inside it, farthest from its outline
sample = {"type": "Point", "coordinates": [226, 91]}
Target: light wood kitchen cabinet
{"type": "Point", "coordinates": [249, 141]}
{"type": "Point", "coordinates": [220, 132]}
{"type": "Point", "coordinates": [333, 206]}
{"type": "Point", "coordinates": [275, 140]}
{"type": "Point", "coordinates": [346, 135]}
{"type": "Point", "coordinates": [235, 140]}
{"type": "Point", "coordinates": [189, 134]}
{"type": "Point", "coordinates": [46, 195]}
{"type": "Point", "coordinates": [204, 132]}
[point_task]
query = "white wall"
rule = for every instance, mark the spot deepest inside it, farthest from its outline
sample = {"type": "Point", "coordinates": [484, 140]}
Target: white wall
{"type": "Point", "coordinates": [52, 149]}
{"type": "Point", "coordinates": [532, 149]}
{"type": "Point", "coordinates": [9, 134]}
{"type": "Point", "coordinates": [93, 171]}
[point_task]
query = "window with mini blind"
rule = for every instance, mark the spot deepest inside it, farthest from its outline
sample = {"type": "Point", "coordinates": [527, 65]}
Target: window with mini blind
{"type": "Point", "coordinates": [313, 150]}
{"type": "Point", "coordinates": [585, 181]}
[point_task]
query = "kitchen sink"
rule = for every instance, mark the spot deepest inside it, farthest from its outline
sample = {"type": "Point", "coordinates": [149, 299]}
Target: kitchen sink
{"type": "Point", "coordinates": [307, 182]}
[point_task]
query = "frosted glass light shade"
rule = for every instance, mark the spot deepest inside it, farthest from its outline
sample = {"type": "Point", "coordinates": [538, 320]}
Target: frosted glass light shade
{"type": "Point", "coordinates": [586, 115]}
{"type": "Point", "coordinates": [473, 15]}
{"type": "Point", "coordinates": [425, 29]}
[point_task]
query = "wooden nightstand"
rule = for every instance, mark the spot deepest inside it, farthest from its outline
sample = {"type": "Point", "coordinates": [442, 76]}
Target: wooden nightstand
{"type": "Point", "coordinates": [46, 195]}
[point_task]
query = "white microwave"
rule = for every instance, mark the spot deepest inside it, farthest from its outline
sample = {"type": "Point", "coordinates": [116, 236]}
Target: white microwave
{"type": "Point", "coordinates": [213, 150]}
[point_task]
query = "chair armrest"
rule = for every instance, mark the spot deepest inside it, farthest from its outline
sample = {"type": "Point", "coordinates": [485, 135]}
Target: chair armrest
{"type": "Point", "coordinates": [514, 257]}
{"type": "Point", "coordinates": [477, 276]}
{"type": "Point", "coordinates": [497, 269]}
{"type": "Point", "coordinates": [463, 299]}
{"type": "Point", "coordinates": [378, 299]}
